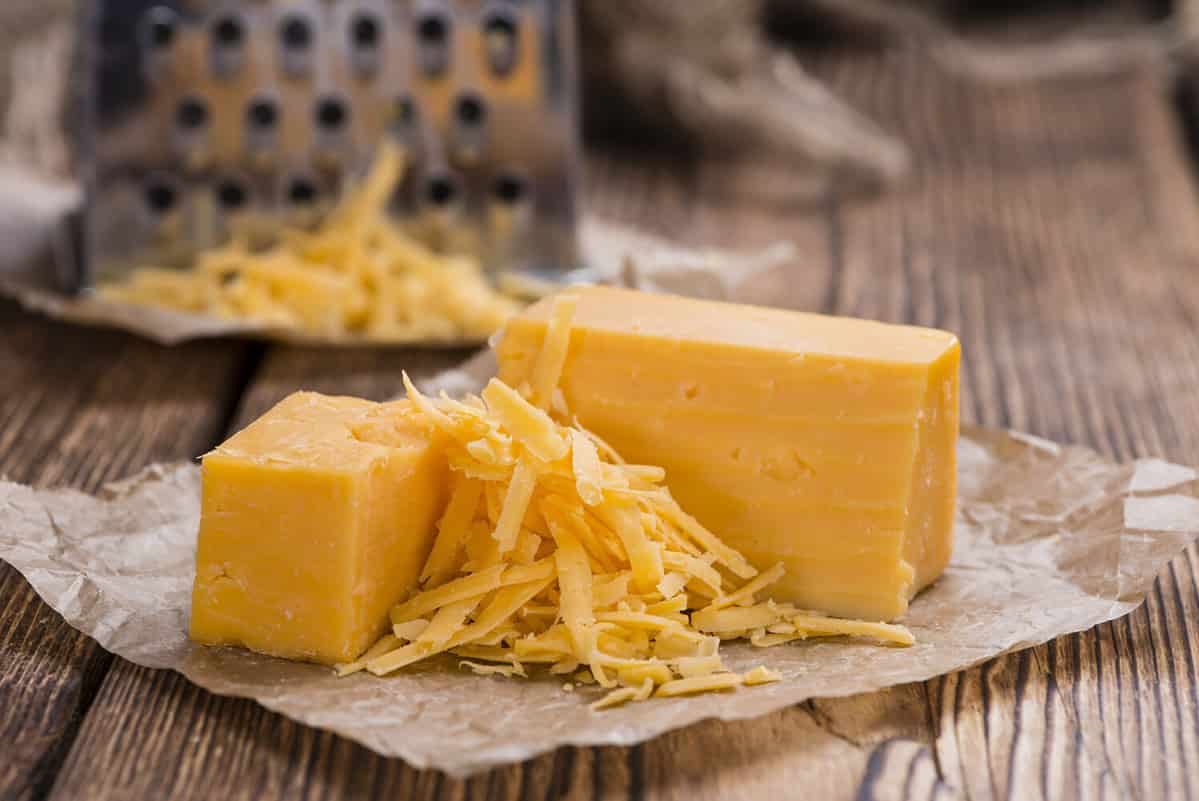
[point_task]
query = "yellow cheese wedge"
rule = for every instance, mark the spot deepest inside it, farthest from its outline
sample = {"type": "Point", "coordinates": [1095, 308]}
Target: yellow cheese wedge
{"type": "Point", "coordinates": [316, 519]}
{"type": "Point", "coordinates": [824, 443]}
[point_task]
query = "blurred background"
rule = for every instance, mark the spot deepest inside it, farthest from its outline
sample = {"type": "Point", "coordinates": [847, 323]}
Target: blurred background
{"type": "Point", "coordinates": [925, 158]}
{"type": "Point", "coordinates": [730, 79]}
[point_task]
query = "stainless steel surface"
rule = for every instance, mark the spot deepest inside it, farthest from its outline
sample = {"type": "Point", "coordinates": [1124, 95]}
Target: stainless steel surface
{"type": "Point", "coordinates": [207, 114]}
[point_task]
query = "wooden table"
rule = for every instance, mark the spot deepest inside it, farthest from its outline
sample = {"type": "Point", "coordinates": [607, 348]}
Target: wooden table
{"type": "Point", "coordinates": [1055, 227]}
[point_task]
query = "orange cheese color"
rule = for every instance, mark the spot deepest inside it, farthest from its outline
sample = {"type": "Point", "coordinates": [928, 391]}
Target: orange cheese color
{"type": "Point", "coordinates": [315, 520]}
{"type": "Point", "coordinates": [825, 443]}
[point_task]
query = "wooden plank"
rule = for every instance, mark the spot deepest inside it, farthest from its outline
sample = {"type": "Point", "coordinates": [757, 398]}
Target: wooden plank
{"type": "Point", "coordinates": [362, 372]}
{"type": "Point", "coordinates": [79, 408]}
{"type": "Point", "coordinates": [1053, 227]}
{"type": "Point", "coordinates": [1059, 240]}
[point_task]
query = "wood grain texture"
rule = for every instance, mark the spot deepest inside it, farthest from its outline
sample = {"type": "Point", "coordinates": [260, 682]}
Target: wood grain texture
{"type": "Point", "coordinates": [1061, 243]}
{"type": "Point", "coordinates": [78, 408]}
{"type": "Point", "coordinates": [365, 373]}
{"type": "Point", "coordinates": [1056, 228]}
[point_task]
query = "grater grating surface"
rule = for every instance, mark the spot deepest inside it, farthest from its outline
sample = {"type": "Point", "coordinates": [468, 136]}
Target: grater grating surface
{"type": "Point", "coordinates": [207, 116]}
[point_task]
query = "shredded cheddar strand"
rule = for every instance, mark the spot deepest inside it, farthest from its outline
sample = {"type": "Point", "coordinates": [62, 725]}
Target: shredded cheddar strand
{"type": "Point", "coordinates": [356, 276]}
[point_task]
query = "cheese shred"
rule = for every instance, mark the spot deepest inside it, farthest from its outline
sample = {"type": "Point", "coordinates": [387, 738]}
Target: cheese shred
{"type": "Point", "coordinates": [355, 276]}
{"type": "Point", "coordinates": [553, 551]}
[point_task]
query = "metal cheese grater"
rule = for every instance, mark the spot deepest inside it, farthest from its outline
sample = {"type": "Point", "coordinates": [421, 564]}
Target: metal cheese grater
{"type": "Point", "coordinates": [209, 115]}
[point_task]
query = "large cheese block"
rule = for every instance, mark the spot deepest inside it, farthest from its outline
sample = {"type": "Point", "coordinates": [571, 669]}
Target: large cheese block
{"type": "Point", "coordinates": [315, 520]}
{"type": "Point", "coordinates": [825, 443]}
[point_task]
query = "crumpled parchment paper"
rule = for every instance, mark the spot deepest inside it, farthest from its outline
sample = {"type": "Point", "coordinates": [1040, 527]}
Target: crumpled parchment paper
{"type": "Point", "coordinates": [1050, 540]}
{"type": "Point", "coordinates": [31, 238]}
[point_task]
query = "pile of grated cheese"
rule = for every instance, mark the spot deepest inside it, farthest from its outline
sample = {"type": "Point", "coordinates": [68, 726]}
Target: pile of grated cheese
{"type": "Point", "coordinates": [553, 551]}
{"type": "Point", "coordinates": [356, 276]}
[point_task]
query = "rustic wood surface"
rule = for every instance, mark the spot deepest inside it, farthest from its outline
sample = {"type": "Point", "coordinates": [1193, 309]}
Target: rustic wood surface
{"type": "Point", "coordinates": [1055, 227]}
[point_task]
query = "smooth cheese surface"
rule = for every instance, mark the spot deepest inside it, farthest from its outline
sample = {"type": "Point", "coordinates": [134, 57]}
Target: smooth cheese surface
{"type": "Point", "coordinates": [735, 326]}
{"type": "Point", "coordinates": [315, 519]}
{"type": "Point", "coordinates": [825, 443]}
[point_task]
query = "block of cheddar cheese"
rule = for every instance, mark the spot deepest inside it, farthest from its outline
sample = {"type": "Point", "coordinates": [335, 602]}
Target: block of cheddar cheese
{"type": "Point", "coordinates": [824, 443]}
{"type": "Point", "coordinates": [315, 520]}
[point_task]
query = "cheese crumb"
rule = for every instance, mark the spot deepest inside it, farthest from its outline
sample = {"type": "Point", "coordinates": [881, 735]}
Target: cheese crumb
{"type": "Point", "coordinates": [617, 697]}
{"type": "Point", "coordinates": [700, 684]}
{"type": "Point", "coordinates": [494, 670]}
{"type": "Point", "coordinates": [760, 675]}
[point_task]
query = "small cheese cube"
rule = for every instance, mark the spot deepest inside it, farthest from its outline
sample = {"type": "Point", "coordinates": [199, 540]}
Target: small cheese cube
{"type": "Point", "coordinates": [315, 520]}
{"type": "Point", "coordinates": [825, 443]}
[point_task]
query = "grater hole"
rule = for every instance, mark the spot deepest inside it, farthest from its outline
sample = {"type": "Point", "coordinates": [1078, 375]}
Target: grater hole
{"type": "Point", "coordinates": [160, 28]}
{"type": "Point", "coordinates": [228, 32]}
{"type": "Point", "coordinates": [470, 110]}
{"type": "Point", "coordinates": [262, 113]}
{"type": "Point", "coordinates": [161, 197]}
{"type": "Point", "coordinates": [404, 111]}
{"type": "Point", "coordinates": [192, 113]}
{"type": "Point", "coordinates": [499, 36]}
{"type": "Point", "coordinates": [232, 195]}
{"type": "Point", "coordinates": [499, 25]}
{"type": "Point", "coordinates": [331, 113]}
{"type": "Point", "coordinates": [510, 189]}
{"type": "Point", "coordinates": [301, 192]}
{"type": "Point", "coordinates": [433, 35]}
{"type": "Point", "coordinates": [296, 33]}
{"type": "Point", "coordinates": [440, 190]}
{"type": "Point", "coordinates": [433, 29]}
{"type": "Point", "coordinates": [365, 31]}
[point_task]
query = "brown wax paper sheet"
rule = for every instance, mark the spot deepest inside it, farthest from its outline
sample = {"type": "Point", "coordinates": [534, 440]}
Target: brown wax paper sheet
{"type": "Point", "coordinates": [30, 239]}
{"type": "Point", "coordinates": [1051, 539]}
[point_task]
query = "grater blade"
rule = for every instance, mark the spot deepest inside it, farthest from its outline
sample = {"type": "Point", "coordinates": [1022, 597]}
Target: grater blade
{"type": "Point", "coordinates": [208, 116]}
